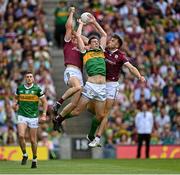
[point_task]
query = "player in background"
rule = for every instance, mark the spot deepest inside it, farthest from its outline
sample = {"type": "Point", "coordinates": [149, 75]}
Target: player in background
{"type": "Point", "coordinates": [115, 60]}
{"type": "Point", "coordinates": [26, 100]}
{"type": "Point", "coordinates": [73, 72]}
{"type": "Point", "coordinates": [94, 62]}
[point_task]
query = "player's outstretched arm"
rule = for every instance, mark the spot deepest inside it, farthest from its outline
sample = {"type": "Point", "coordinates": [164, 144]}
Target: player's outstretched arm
{"type": "Point", "coordinates": [135, 71]}
{"type": "Point", "coordinates": [81, 44]}
{"type": "Point", "coordinates": [44, 105]}
{"type": "Point", "coordinates": [69, 24]}
{"type": "Point", "coordinates": [84, 38]}
{"type": "Point", "coordinates": [103, 34]}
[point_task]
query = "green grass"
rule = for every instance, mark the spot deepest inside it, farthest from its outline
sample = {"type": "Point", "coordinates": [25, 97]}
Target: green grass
{"type": "Point", "coordinates": [90, 166]}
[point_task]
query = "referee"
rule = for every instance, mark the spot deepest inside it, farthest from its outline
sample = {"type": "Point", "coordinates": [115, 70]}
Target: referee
{"type": "Point", "coordinates": [144, 126]}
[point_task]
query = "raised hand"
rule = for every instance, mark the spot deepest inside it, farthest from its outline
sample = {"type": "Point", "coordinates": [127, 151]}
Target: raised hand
{"type": "Point", "coordinates": [80, 21]}
{"type": "Point", "coordinates": [142, 79]}
{"type": "Point", "coordinates": [91, 18]}
{"type": "Point", "coordinates": [72, 9]}
{"type": "Point", "coordinates": [42, 118]}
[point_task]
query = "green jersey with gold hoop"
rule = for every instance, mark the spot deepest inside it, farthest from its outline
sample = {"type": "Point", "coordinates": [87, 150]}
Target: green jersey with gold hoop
{"type": "Point", "coordinates": [28, 100]}
{"type": "Point", "coordinates": [94, 61]}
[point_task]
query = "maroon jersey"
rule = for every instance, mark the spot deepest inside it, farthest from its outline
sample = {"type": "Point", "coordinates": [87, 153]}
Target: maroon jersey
{"type": "Point", "coordinates": [114, 63]}
{"type": "Point", "coordinates": [72, 55]}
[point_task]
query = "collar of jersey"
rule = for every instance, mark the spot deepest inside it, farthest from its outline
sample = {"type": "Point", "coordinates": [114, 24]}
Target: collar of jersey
{"type": "Point", "coordinates": [114, 51]}
{"type": "Point", "coordinates": [28, 87]}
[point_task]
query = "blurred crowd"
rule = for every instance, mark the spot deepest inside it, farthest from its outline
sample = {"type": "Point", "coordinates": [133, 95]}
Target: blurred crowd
{"type": "Point", "coordinates": [24, 45]}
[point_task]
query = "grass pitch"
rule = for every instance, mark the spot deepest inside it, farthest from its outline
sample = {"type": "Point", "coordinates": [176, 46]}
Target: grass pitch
{"type": "Point", "coordinates": [90, 166]}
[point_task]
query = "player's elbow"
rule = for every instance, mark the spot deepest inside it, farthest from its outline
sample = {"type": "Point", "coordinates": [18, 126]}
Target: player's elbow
{"type": "Point", "coordinates": [68, 26]}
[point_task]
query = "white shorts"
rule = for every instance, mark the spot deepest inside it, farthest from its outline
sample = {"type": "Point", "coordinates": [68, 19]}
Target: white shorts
{"type": "Point", "coordinates": [30, 122]}
{"type": "Point", "coordinates": [95, 91]}
{"type": "Point", "coordinates": [111, 89]}
{"type": "Point", "coordinates": [72, 72]}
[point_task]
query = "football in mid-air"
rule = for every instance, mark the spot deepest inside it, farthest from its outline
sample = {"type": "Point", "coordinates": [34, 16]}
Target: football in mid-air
{"type": "Point", "coordinates": [85, 17]}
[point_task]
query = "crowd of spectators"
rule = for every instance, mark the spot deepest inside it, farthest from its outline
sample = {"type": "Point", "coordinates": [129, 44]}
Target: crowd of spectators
{"type": "Point", "coordinates": [24, 45]}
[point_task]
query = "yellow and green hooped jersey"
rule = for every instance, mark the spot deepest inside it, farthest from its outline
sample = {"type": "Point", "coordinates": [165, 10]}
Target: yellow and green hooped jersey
{"type": "Point", "coordinates": [94, 61]}
{"type": "Point", "coordinates": [28, 99]}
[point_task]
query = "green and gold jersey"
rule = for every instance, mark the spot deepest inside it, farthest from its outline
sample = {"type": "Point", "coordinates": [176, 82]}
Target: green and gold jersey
{"type": "Point", "coordinates": [28, 99]}
{"type": "Point", "coordinates": [94, 61]}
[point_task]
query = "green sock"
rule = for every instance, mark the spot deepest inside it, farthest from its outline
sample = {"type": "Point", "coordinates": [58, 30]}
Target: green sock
{"type": "Point", "coordinates": [68, 116]}
{"type": "Point", "coordinates": [94, 125]}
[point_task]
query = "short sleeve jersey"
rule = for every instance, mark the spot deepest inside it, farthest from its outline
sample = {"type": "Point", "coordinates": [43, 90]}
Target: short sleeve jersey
{"type": "Point", "coordinates": [114, 63]}
{"type": "Point", "coordinates": [72, 55]}
{"type": "Point", "coordinates": [28, 99]}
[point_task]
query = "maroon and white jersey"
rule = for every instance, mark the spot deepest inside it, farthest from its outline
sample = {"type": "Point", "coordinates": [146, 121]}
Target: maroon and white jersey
{"type": "Point", "coordinates": [114, 63]}
{"type": "Point", "coordinates": [72, 55]}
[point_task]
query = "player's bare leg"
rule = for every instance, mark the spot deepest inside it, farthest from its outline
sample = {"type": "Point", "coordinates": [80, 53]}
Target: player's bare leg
{"type": "Point", "coordinates": [74, 82]}
{"type": "Point", "coordinates": [103, 123]}
{"type": "Point", "coordinates": [94, 123]}
{"type": "Point", "coordinates": [33, 139]}
{"type": "Point", "coordinates": [109, 104]}
{"type": "Point", "coordinates": [21, 135]}
{"type": "Point", "coordinates": [81, 106]}
{"type": "Point", "coordinates": [75, 87]}
{"type": "Point", "coordinates": [74, 101]}
{"type": "Point", "coordinates": [100, 114]}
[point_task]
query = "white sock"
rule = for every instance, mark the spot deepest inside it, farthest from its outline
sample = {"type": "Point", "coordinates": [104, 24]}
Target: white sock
{"type": "Point", "coordinates": [25, 155]}
{"type": "Point", "coordinates": [97, 139]}
{"type": "Point", "coordinates": [34, 160]}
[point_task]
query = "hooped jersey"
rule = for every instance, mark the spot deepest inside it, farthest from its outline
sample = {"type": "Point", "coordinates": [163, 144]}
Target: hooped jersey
{"type": "Point", "coordinates": [114, 63]}
{"type": "Point", "coordinates": [72, 55]}
{"type": "Point", "coordinates": [94, 61]}
{"type": "Point", "coordinates": [28, 100]}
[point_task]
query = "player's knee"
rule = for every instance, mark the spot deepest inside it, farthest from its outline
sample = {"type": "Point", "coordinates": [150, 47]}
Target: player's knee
{"type": "Point", "coordinates": [100, 116]}
{"type": "Point", "coordinates": [78, 88]}
{"type": "Point", "coordinates": [73, 104]}
{"type": "Point", "coordinates": [21, 137]}
{"type": "Point", "coordinates": [76, 112]}
{"type": "Point", "coordinates": [33, 141]}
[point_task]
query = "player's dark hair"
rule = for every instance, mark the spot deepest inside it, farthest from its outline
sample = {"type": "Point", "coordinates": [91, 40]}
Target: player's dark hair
{"type": "Point", "coordinates": [93, 37]}
{"type": "Point", "coordinates": [28, 72]}
{"type": "Point", "coordinates": [120, 41]}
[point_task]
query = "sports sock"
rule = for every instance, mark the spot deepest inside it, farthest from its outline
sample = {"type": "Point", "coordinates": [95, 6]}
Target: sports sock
{"type": "Point", "coordinates": [25, 155]}
{"type": "Point", "coordinates": [61, 119]}
{"type": "Point", "coordinates": [60, 101]}
{"type": "Point", "coordinates": [34, 158]}
{"type": "Point", "coordinates": [97, 138]}
{"type": "Point", "coordinates": [94, 125]}
{"type": "Point", "coordinates": [24, 151]}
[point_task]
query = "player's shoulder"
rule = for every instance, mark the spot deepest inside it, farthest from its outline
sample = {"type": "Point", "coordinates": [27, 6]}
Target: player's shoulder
{"type": "Point", "coordinates": [120, 52]}
{"type": "Point", "coordinates": [21, 86]}
{"type": "Point", "coordinates": [122, 55]}
{"type": "Point", "coordinates": [36, 86]}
